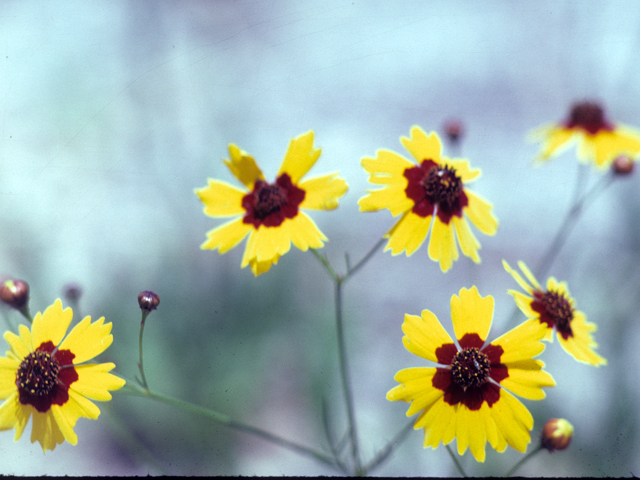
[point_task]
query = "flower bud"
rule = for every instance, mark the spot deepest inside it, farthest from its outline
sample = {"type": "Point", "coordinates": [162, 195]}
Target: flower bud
{"type": "Point", "coordinates": [15, 293]}
{"type": "Point", "coordinates": [148, 301]}
{"type": "Point", "coordinates": [556, 434]}
{"type": "Point", "coordinates": [623, 165]}
{"type": "Point", "coordinates": [72, 292]}
{"type": "Point", "coordinates": [453, 129]}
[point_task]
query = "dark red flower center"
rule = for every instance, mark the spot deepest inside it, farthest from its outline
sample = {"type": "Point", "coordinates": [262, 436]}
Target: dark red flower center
{"type": "Point", "coordinates": [43, 377]}
{"type": "Point", "coordinates": [470, 368]}
{"type": "Point", "coordinates": [589, 116]}
{"type": "Point", "coordinates": [269, 204]}
{"type": "Point", "coordinates": [555, 310]}
{"type": "Point", "coordinates": [431, 184]}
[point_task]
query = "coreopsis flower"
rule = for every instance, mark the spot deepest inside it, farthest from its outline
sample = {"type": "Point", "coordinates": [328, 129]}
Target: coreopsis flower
{"type": "Point", "coordinates": [433, 191]}
{"type": "Point", "coordinates": [270, 213]}
{"type": "Point", "coordinates": [466, 397]}
{"type": "Point", "coordinates": [599, 140]}
{"type": "Point", "coordinates": [554, 308]}
{"type": "Point", "coordinates": [44, 376]}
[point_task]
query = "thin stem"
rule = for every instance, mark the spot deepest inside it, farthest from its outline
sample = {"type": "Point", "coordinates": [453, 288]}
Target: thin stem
{"type": "Point", "coordinates": [388, 448]}
{"type": "Point", "coordinates": [132, 389]}
{"type": "Point", "coordinates": [456, 462]}
{"type": "Point", "coordinates": [331, 439]}
{"type": "Point", "coordinates": [522, 461]}
{"type": "Point", "coordinates": [143, 379]}
{"type": "Point", "coordinates": [365, 259]}
{"type": "Point", "coordinates": [323, 260]}
{"type": "Point", "coordinates": [26, 313]}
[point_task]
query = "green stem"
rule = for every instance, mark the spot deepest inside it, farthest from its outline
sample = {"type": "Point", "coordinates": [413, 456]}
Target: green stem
{"type": "Point", "coordinates": [522, 461]}
{"type": "Point", "coordinates": [132, 389]}
{"type": "Point", "coordinates": [456, 462]}
{"type": "Point", "coordinates": [26, 314]}
{"type": "Point", "coordinates": [388, 448]}
{"type": "Point", "coordinates": [365, 259]}
{"type": "Point", "coordinates": [143, 379]}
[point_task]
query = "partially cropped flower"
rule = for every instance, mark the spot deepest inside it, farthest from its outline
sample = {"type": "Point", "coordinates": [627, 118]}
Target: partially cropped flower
{"type": "Point", "coordinates": [431, 192]}
{"type": "Point", "coordinates": [554, 308]}
{"type": "Point", "coordinates": [466, 397]}
{"type": "Point", "coordinates": [556, 434]}
{"type": "Point", "coordinates": [599, 140]}
{"type": "Point", "coordinates": [270, 213]}
{"type": "Point", "coordinates": [44, 376]}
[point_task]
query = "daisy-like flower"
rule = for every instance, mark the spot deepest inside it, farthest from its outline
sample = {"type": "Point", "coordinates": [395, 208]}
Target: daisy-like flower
{"type": "Point", "coordinates": [466, 398]}
{"type": "Point", "coordinates": [599, 140]}
{"type": "Point", "coordinates": [431, 192]}
{"type": "Point", "coordinates": [554, 308]}
{"type": "Point", "coordinates": [44, 376]}
{"type": "Point", "coordinates": [270, 213]}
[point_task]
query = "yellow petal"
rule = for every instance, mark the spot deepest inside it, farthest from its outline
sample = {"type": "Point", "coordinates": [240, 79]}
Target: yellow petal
{"type": "Point", "coordinates": [415, 387]}
{"type": "Point", "coordinates": [258, 268]}
{"type": "Point", "coordinates": [463, 169]}
{"type": "Point", "coordinates": [20, 346]}
{"type": "Point", "coordinates": [522, 342]}
{"type": "Point", "coordinates": [468, 242]}
{"type": "Point", "coordinates": [555, 140]}
{"type": "Point", "coordinates": [525, 286]}
{"type": "Point", "coordinates": [524, 304]}
{"type": "Point", "coordinates": [423, 146]}
{"type": "Point", "coordinates": [471, 313]}
{"type": "Point", "coordinates": [9, 412]}
{"type": "Point", "coordinates": [529, 275]}
{"type": "Point", "coordinates": [442, 245]}
{"type": "Point", "coordinates": [305, 233]}
{"type": "Point", "coordinates": [272, 241]}
{"type": "Point", "coordinates": [479, 213]}
{"type": "Point", "coordinates": [8, 371]}
{"type": "Point", "coordinates": [439, 423]}
{"type": "Point", "coordinates": [300, 157]}
{"type": "Point", "coordinates": [424, 334]}
{"type": "Point", "coordinates": [94, 381]}
{"type": "Point", "coordinates": [387, 168]}
{"type": "Point", "coordinates": [608, 145]}
{"type": "Point", "coordinates": [45, 430]}
{"type": "Point", "coordinates": [393, 198]}
{"type": "Point", "coordinates": [322, 193]}
{"type": "Point", "coordinates": [243, 166]}
{"type": "Point", "coordinates": [221, 199]}
{"type": "Point", "coordinates": [87, 340]}
{"type": "Point", "coordinates": [52, 325]}
{"type": "Point", "coordinates": [526, 379]}
{"type": "Point", "coordinates": [408, 234]}
{"type": "Point", "coordinates": [513, 420]}
{"type": "Point", "coordinates": [581, 345]}
{"type": "Point", "coordinates": [227, 235]}
{"type": "Point", "coordinates": [64, 424]}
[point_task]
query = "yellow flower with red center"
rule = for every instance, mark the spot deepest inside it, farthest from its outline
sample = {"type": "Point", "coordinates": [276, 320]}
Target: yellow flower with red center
{"type": "Point", "coordinates": [45, 378]}
{"type": "Point", "coordinates": [430, 196]}
{"type": "Point", "coordinates": [270, 213]}
{"type": "Point", "coordinates": [554, 308]}
{"type": "Point", "coordinates": [466, 397]}
{"type": "Point", "coordinates": [599, 140]}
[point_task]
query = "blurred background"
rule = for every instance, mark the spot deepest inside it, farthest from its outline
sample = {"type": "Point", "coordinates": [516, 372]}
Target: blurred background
{"type": "Point", "coordinates": [113, 112]}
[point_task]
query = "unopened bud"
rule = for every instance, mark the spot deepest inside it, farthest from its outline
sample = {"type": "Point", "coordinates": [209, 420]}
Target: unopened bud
{"type": "Point", "coordinates": [556, 434]}
{"type": "Point", "coordinates": [72, 292]}
{"type": "Point", "coordinates": [453, 129]}
{"type": "Point", "coordinates": [15, 293]}
{"type": "Point", "coordinates": [148, 301]}
{"type": "Point", "coordinates": [623, 165]}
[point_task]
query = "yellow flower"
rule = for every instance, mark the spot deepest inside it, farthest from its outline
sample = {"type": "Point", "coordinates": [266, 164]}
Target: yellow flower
{"type": "Point", "coordinates": [44, 376]}
{"type": "Point", "coordinates": [270, 213]}
{"type": "Point", "coordinates": [599, 141]}
{"type": "Point", "coordinates": [467, 397]}
{"type": "Point", "coordinates": [555, 308]}
{"type": "Point", "coordinates": [433, 191]}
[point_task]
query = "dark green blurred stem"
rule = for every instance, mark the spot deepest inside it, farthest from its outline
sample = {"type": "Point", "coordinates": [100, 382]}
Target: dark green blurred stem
{"type": "Point", "coordinates": [26, 314]}
{"type": "Point", "coordinates": [133, 389]}
{"type": "Point", "coordinates": [456, 462]}
{"type": "Point", "coordinates": [143, 379]}
{"type": "Point", "coordinates": [523, 461]}
{"type": "Point", "coordinates": [580, 204]}
{"type": "Point", "coordinates": [388, 448]}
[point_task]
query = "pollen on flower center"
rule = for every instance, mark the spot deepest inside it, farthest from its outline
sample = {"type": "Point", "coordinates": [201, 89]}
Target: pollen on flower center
{"type": "Point", "coordinates": [269, 204]}
{"type": "Point", "coordinates": [37, 375]}
{"type": "Point", "coordinates": [269, 199]}
{"type": "Point", "coordinates": [442, 186]}
{"type": "Point", "coordinates": [470, 368]}
{"type": "Point", "coordinates": [588, 116]}
{"type": "Point", "coordinates": [556, 311]}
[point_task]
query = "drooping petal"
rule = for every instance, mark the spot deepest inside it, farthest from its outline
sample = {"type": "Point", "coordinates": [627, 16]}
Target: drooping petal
{"type": "Point", "coordinates": [526, 379]}
{"type": "Point", "coordinates": [471, 313]}
{"type": "Point", "coordinates": [243, 166]}
{"type": "Point", "coordinates": [523, 267]}
{"type": "Point", "coordinates": [424, 334]}
{"type": "Point", "coordinates": [227, 235]}
{"type": "Point", "coordinates": [8, 369]}
{"type": "Point", "coordinates": [45, 430]}
{"type": "Point", "coordinates": [423, 146]}
{"type": "Point", "coordinates": [468, 242]}
{"type": "Point", "coordinates": [52, 325]}
{"type": "Point", "coordinates": [305, 233]}
{"type": "Point", "coordinates": [408, 234]}
{"type": "Point", "coordinates": [258, 268]}
{"type": "Point", "coordinates": [608, 145]}
{"type": "Point", "coordinates": [322, 193]}
{"type": "Point", "coordinates": [442, 244]}
{"type": "Point", "coordinates": [87, 340]}
{"type": "Point", "coordinates": [522, 342]}
{"type": "Point", "coordinates": [524, 304]}
{"type": "Point", "coordinates": [95, 381]}
{"type": "Point", "coordinates": [581, 345]}
{"type": "Point", "coordinates": [479, 213]}
{"type": "Point", "coordinates": [555, 140]}
{"type": "Point", "coordinates": [221, 199]}
{"type": "Point", "coordinates": [300, 157]}
{"type": "Point", "coordinates": [516, 276]}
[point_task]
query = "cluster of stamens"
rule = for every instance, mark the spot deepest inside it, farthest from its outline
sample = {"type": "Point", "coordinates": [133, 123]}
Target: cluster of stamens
{"type": "Point", "coordinates": [588, 116]}
{"type": "Point", "coordinates": [37, 375]}
{"type": "Point", "coordinates": [470, 368]}
{"type": "Point", "coordinates": [442, 186]}
{"type": "Point", "coordinates": [559, 311]}
{"type": "Point", "coordinates": [269, 198]}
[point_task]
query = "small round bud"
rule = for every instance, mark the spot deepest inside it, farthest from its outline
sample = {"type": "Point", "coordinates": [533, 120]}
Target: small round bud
{"type": "Point", "coordinates": [148, 301]}
{"type": "Point", "coordinates": [556, 434]}
{"type": "Point", "coordinates": [15, 293]}
{"type": "Point", "coordinates": [623, 165]}
{"type": "Point", "coordinates": [72, 292]}
{"type": "Point", "coordinates": [453, 129]}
